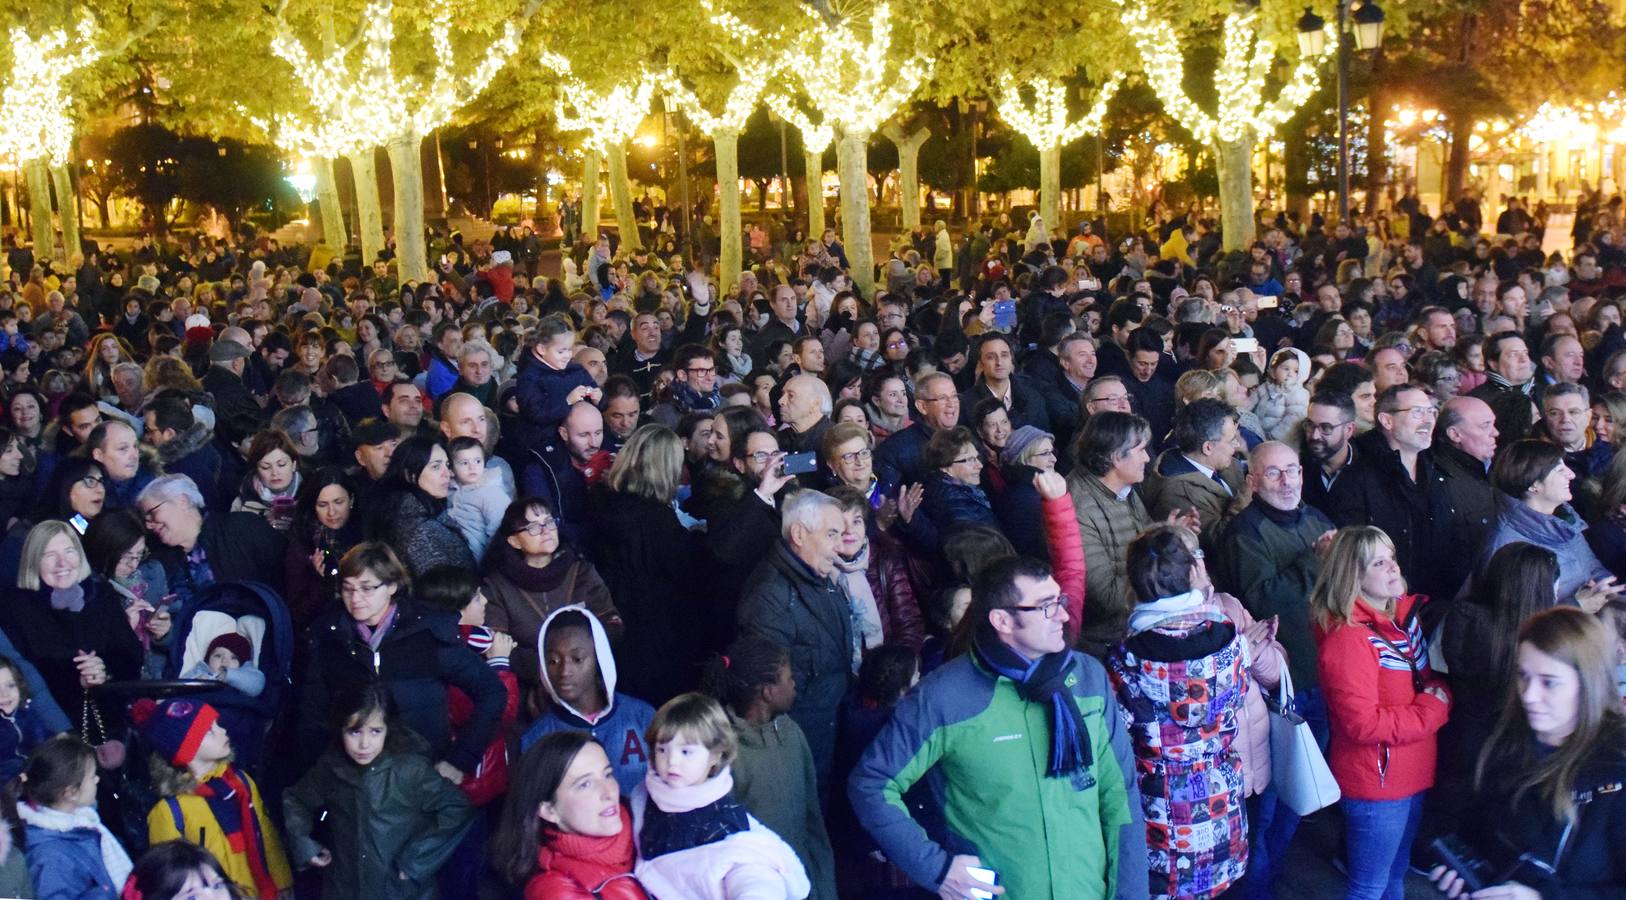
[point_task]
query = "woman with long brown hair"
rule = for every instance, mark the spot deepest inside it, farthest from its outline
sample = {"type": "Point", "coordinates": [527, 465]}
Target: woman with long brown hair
{"type": "Point", "coordinates": [1547, 813]}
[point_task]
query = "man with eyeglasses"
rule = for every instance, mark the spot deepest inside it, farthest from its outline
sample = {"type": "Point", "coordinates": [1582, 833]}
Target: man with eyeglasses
{"type": "Point", "coordinates": [1566, 420]}
{"type": "Point", "coordinates": [1395, 486]}
{"type": "Point", "coordinates": [694, 387]}
{"type": "Point", "coordinates": [1329, 425]}
{"type": "Point", "coordinates": [1270, 554]}
{"type": "Point", "coordinates": [1034, 766]}
{"type": "Point", "coordinates": [901, 459]}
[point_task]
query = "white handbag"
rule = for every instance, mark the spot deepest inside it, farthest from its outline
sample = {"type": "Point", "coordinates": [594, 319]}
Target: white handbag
{"type": "Point", "coordinates": [1298, 770]}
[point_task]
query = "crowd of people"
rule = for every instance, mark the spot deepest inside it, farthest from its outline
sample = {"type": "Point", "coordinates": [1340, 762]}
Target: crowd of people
{"type": "Point", "coordinates": [641, 583]}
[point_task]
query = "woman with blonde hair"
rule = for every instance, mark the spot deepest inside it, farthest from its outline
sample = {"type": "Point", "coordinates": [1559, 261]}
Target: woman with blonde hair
{"type": "Point", "coordinates": [1384, 705]}
{"type": "Point", "coordinates": [648, 558]}
{"type": "Point", "coordinates": [1546, 813]}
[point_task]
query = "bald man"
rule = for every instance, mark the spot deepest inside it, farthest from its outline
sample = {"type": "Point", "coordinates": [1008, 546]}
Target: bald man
{"type": "Point", "coordinates": [462, 415]}
{"type": "Point", "coordinates": [567, 466]}
{"type": "Point", "coordinates": [804, 408]}
{"type": "Point", "coordinates": [1464, 444]}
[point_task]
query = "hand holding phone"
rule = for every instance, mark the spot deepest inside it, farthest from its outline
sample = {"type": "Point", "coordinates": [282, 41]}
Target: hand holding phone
{"type": "Point", "coordinates": [968, 878]}
{"type": "Point", "coordinates": [1244, 344]}
{"type": "Point", "coordinates": [1266, 302]}
{"type": "Point", "coordinates": [800, 463]}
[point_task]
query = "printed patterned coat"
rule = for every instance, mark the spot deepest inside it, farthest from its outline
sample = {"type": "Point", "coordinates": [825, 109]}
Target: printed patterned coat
{"type": "Point", "coordinates": [1181, 686]}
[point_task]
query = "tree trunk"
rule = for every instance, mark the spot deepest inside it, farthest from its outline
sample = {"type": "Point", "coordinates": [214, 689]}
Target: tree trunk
{"type": "Point", "coordinates": [1377, 142]}
{"type": "Point", "coordinates": [814, 163]}
{"type": "Point", "coordinates": [67, 205]}
{"type": "Point", "coordinates": [1050, 187]}
{"type": "Point", "coordinates": [406, 173]}
{"type": "Point", "coordinates": [1232, 160]}
{"type": "Point", "coordinates": [621, 197]}
{"type": "Point", "coordinates": [853, 153]}
{"type": "Point", "coordinates": [592, 161]}
{"type": "Point", "coordinates": [369, 211]}
{"type": "Point", "coordinates": [1456, 166]}
{"type": "Point", "coordinates": [39, 208]}
{"type": "Point", "coordinates": [726, 145]}
{"type": "Point", "coordinates": [908, 170]}
{"type": "Point", "coordinates": [327, 200]}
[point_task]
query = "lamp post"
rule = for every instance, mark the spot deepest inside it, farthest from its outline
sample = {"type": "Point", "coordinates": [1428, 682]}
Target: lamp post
{"type": "Point", "coordinates": [1368, 21]}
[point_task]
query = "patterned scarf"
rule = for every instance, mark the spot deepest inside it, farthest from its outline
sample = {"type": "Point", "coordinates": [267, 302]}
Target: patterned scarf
{"type": "Point", "coordinates": [232, 803]}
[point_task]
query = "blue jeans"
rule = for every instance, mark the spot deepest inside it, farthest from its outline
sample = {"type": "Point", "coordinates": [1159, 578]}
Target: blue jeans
{"type": "Point", "coordinates": [1378, 835]}
{"type": "Point", "coordinates": [1270, 829]}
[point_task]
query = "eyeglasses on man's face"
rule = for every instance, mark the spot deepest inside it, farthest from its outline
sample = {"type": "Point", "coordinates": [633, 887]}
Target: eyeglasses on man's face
{"type": "Point", "coordinates": [1048, 607]}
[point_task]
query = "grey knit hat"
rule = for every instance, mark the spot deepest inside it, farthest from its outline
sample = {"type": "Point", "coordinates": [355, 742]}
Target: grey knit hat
{"type": "Point", "coordinates": [1021, 439]}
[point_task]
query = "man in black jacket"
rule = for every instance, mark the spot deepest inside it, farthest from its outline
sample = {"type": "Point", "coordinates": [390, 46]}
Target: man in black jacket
{"type": "Point", "coordinates": [792, 600]}
{"type": "Point", "coordinates": [1397, 487]}
{"type": "Point", "coordinates": [1464, 445]}
{"type": "Point", "coordinates": [237, 413]}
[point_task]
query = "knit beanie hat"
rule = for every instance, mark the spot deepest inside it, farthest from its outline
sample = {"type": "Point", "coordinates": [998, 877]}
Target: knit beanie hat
{"type": "Point", "coordinates": [1021, 439]}
{"type": "Point", "coordinates": [236, 643]}
{"type": "Point", "coordinates": [174, 728]}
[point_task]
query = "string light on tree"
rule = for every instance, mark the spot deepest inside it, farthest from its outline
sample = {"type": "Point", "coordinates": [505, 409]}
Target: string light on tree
{"type": "Point", "coordinates": [608, 120]}
{"type": "Point", "coordinates": [1045, 123]}
{"type": "Point", "coordinates": [1242, 114]}
{"type": "Point", "coordinates": [378, 106]}
{"type": "Point", "coordinates": [35, 121]}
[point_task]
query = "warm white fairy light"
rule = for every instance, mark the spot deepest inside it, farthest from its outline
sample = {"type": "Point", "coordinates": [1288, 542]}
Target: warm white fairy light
{"type": "Point", "coordinates": [363, 102]}
{"type": "Point", "coordinates": [1045, 121]}
{"type": "Point", "coordinates": [36, 105]}
{"type": "Point", "coordinates": [742, 100]}
{"type": "Point", "coordinates": [847, 75]}
{"type": "Point", "coordinates": [816, 137]}
{"type": "Point", "coordinates": [608, 117]}
{"type": "Point", "coordinates": [1239, 79]}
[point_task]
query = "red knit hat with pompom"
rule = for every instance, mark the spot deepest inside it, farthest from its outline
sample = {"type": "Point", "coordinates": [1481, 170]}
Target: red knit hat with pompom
{"type": "Point", "coordinates": [174, 728]}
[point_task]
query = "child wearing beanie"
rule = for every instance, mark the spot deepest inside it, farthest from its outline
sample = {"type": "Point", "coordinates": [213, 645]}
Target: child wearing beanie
{"type": "Point", "coordinates": [207, 800]}
{"type": "Point", "coordinates": [230, 659]}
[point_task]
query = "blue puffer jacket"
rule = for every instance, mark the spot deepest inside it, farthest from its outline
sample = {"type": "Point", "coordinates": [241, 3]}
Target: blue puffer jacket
{"type": "Point", "coordinates": [1563, 532]}
{"type": "Point", "coordinates": [950, 503]}
{"type": "Point", "coordinates": [67, 865]}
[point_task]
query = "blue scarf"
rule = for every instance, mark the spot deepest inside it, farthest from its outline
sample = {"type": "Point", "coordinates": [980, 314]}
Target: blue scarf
{"type": "Point", "coordinates": [1040, 681]}
{"type": "Point", "coordinates": [691, 400]}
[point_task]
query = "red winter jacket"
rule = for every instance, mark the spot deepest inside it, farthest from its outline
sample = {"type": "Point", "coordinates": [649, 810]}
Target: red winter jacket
{"type": "Point", "coordinates": [1066, 557]}
{"type": "Point", "coordinates": [888, 576]}
{"type": "Point", "coordinates": [489, 780]}
{"type": "Point", "coordinates": [579, 867]}
{"type": "Point", "coordinates": [1383, 729]}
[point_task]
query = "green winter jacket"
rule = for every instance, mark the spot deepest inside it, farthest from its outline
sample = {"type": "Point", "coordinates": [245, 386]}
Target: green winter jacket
{"type": "Point", "coordinates": [1079, 838]}
{"type": "Point", "coordinates": [774, 781]}
{"type": "Point", "coordinates": [1106, 525]}
{"type": "Point", "coordinates": [1267, 559]}
{"type": "Point", "coordinates": [396, 816]}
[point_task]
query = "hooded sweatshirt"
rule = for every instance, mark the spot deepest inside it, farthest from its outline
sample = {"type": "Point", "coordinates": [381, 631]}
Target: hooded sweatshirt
{"type": "Point", "coordinates": [619, 728]}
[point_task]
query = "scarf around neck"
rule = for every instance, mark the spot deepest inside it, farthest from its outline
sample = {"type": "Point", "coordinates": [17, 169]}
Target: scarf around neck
{"type": "Point", "coordinates": [1043, 680]}
{"type": "Point", "coordinates": [71, 599]}
{"type": "Point", "coordinates": [585, 858]}
{"type": "Point", "coordinates": [865, 611]}
{"type": "Point", "coordinates": [114, 859]}
{"type": "Point", "coordinates": [1146, 615]}
{"type": "Point", "coordinates": [231, 801]}
{"type": "Point", "coordinates": [679, 818]}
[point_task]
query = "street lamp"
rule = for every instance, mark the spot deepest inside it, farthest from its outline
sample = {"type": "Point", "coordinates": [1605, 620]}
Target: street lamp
{"type": "Point", "coordinates": [1368, 28]}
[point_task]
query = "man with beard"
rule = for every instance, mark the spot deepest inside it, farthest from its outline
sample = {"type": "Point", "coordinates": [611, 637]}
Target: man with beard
{"type": "Point", "coordinates": [566, 467]}
{"type": "Point", "coordinates": [622, 411]}
{"type": "Point", "coordinates": [741, 534]}
{"type": "Point", "coordinates": [1329, 425]}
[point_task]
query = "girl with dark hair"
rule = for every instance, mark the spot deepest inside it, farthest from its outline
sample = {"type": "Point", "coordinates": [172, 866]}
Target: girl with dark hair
{"type": "Point", "coordinates": [325, 527]}
{"type": "Point", "coordinates": [1190, 678]}
{"type": "Point", "coordinates": [773, 771]}
{"type": "Point", "coordinates": [392, 819]}
{"type": "Point", "coordinates": [180, 870]}
{"type": "Point", "coordinates": [17, 485]}
{"type": "Point", "coordinates": [565, 832]}
{"type": "Point", "coordinates": [414, 520]}
{"type": "Point", "coordinates": [70, 852]}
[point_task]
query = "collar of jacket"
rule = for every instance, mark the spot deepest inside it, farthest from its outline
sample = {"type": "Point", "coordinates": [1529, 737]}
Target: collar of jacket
{"type": "Point", "coordinates": [1456, 459]}
{"type": "Point", "coordinates": [1542, 529]}
{"type": "Point", "coordinates": [795, 567]}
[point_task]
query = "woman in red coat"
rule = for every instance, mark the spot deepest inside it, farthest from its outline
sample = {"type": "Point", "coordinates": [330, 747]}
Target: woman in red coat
{"type": "Point", "coordinates": [1384, 705]}
{"type": "Point", "coordinates": [565, 833]}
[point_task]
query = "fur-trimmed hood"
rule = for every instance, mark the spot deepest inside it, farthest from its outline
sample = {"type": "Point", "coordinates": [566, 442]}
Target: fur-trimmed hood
{"type": "Point", "coordinates": [185, 444]}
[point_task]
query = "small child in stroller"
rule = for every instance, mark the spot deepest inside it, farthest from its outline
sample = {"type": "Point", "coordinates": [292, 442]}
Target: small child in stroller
{"type": "Point", "coordinates": [230, 658]}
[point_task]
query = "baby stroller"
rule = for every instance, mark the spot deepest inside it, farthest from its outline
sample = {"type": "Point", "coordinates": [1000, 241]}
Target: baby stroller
{"type": "Point", "coordinates": [255, 611]}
